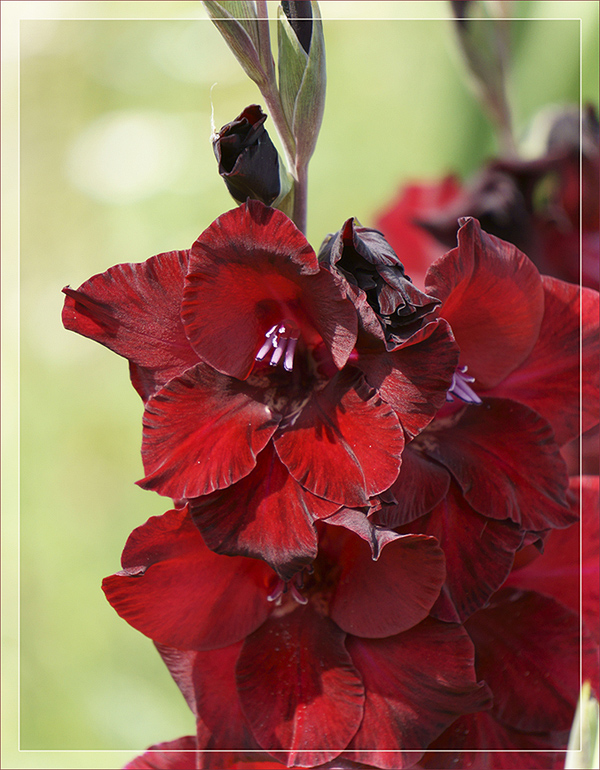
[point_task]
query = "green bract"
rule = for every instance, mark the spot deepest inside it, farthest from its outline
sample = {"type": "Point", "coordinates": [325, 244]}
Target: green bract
{"type": "Point", "coordinates": [302, 81]}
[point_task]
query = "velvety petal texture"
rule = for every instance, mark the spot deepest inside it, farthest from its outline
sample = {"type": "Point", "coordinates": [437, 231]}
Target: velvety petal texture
{"type": "Point", "coordinates": [416, 684]}
{"type": "Point", "coordinates": [479, 742]}
{"type": "Point", "coordinates": [528, 649]}
{"type": "Point", "coordinates": [221, 723]}
{"type": "Point", "coordinates": [299, 688]}
{"type": "Point", "coordinates": [346, 444]}
{"type": "Point", "coordinates": [479, 554]}
{"type": "Point", "coordinates": [266, 515]}
{"type": "Point", "coordinates": [525, 478]}
{"type": "Point", "coordinates": [250, 269]}
{"type": "Point", "coordinates": [570, 320]}
{"type": "Point", "coordinates": [134, 309]}
{"type": "Point", "coordinates": [568, 569]}
{"type": "Point", "coordinates": [414, 378]}
{"type": "Point", "coordinates": [207, 681]}
{"type": "Point", "coordinates": [373, 599]}
{"type": "Point", "coordinates": [493, 298]}
{"type": "Point", "coordinates": [179, 754]}
{"type": "Point", "coordinates": [420, 486]}
{"type": "Point", "coordinates": [175, 590]}
{"type": "Point", "coordinates": [202, 432]}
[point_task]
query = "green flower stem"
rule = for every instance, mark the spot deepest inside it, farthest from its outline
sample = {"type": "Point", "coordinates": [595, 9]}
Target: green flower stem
{"type": "Point", "coordinates": [299, 172]}
{"type": "Point", "coordinates": [500, 117]}
{"type": "Point", "coordinates": [300, 197]}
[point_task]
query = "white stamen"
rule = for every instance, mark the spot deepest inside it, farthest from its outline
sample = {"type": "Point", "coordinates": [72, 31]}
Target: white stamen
{"type": "Point", "coordinates": [297, 596]}
{"type": "Point", "coordinates": [270, 342]}
{"type": "Point", "coordinates": [278, 352]}
{"type": "Point", "coordinates": [267, 345]}
{"type": "Point", "coordinates": [279, 340]}
{"type": "Point", "coordinates": [288, 363]}
{"type": "Point", "coordinates": [277, 592]}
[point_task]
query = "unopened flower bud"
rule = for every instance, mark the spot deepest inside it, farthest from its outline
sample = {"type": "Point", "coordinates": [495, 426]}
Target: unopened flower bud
{"type": "Point", "coordinates": [299, 15]}
{"type": "Point", "coordinates": [367, 261]}
{"type": "Point", "coordinates": [248, 160]}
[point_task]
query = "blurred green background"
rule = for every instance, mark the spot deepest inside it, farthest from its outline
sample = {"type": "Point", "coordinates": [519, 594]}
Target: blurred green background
{"type": "Point", "coordinates": [116, 165]}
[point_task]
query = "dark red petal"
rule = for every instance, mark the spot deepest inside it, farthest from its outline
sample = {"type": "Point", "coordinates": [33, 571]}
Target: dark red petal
{"type": "Point", "coordinates": [267, 515]}
{"type": "Point", "coordinates": [239, 760]}
{"type": "Point", "coordinates": [179, 754]}
{"type": "Point", "coordinates": [181, 666]}
{"type": "Point", "coordinates": [479, 554]}
{"type": "Point", "coordinates": [346, 444]}
{"type": "Point", "coordinates": [207, 681]}
{"type": "Point", "coordinates": [380, 598]}
{"type": "Point", "coordinates": [421, 485]}
{"type": "Point", "coordinates": [504, 457]}
{"type": "Point", "coordinates": [493, 298]}
{"type": "Point", "coordinates": [415, 378]}
{"type": "Point", "coordinates": [528, 649]}
{"type": "Point", "coordinates": [251, 269]}
{"type": "Point", "coordinates": [416, 684]}
{"type": "Point", "coordinates": [202, 432]}
{"type": "Point", "coordinates": [134, 309]}
{"type": "Point", "coordinates": [479, 742]}
{"type": "Point", "coordinates": [562, 569]}
{"type": "Point", "coordinates": [221, 723]}
{"type": "Point", "coordinates": [299, 689]}
{"type": "Point", "coordinates": [549, 379]}
{"type": "Point", "coordinates": [358, 522]}
{"type": "Point", "coordinates": [180, 594]}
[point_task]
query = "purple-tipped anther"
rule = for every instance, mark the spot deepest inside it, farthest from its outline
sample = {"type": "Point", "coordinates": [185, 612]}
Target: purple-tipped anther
{"type": "Point", "coordinates": [294, 586]}
{"type": "Point", "coordinates": [460, 387]}
{"type": "Point", "coordinates": [281, 341]}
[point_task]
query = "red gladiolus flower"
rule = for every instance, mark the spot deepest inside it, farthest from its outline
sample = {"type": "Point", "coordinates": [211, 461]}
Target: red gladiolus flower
{"type": "Point", "coordinates": [531, 649]}
{"type": "Point", "coordinates": [244, 351]}
{"type": "Point", "coordinates": [487, 469]}
{"type": "Point", "coordinates": [341, 658]}
{"type": "Point", "coordinates": [537, 205]}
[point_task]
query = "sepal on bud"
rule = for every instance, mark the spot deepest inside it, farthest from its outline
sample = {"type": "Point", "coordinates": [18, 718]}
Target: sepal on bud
{"type": "Point", "coordinates": [302, 76]}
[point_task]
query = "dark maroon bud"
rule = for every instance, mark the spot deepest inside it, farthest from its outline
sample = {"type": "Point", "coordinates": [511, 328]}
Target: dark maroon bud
{"type": "Point", "coordinates": [299, 15]}
{"type": "Point", "coordinates": [248, 160]}
{"type": "Point", "coordinates": [565, 130]}
{"type": "Point", "coordinates": [366, 260]}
